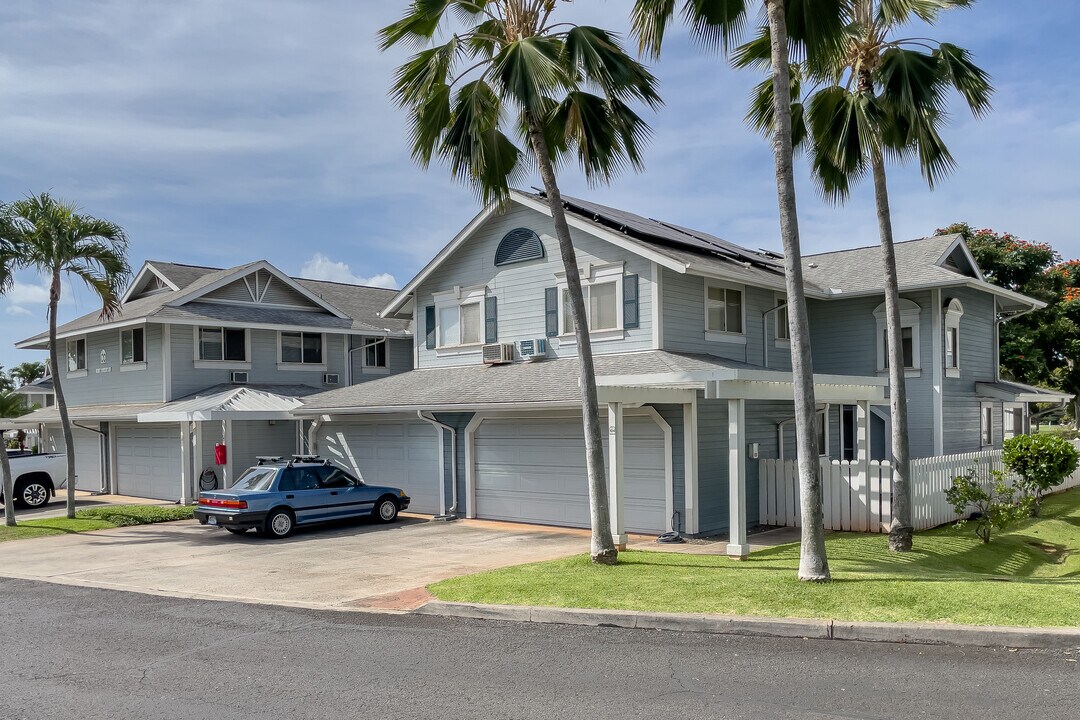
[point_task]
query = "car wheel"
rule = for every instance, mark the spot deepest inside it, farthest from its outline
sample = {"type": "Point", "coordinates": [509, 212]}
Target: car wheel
{"type": "Point", "coordinates": [33, 494]}
{"type": "Point", "coordinates": [386, 510]}
{"type": "Point", "coordinates": [279, 523]}
{"type": "Point", "coordinates": [237, 531]}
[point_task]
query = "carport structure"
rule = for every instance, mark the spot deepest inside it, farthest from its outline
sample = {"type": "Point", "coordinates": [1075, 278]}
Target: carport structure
{"type": "Point", "coordinates": [680, 445]}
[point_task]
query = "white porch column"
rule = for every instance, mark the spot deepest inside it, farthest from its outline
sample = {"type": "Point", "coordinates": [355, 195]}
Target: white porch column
{"type": "Point", "coordinates": [185, 464]}
{"type": "Point", "coordinates": [690, 463]}
{"type": "Point", "coordinates": [737, 545]}
{"type": "Point", "coordinates": [861, 502]}
{"type": "Point", "coordinates": [226, 439]}
{"type": "Point", "coordinates": [616, 473]}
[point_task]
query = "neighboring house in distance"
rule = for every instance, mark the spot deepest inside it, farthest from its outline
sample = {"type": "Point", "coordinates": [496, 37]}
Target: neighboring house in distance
{"type": "Point", "coordinates": [199, 356]}
{"type": "Point", "coordinates": [692, 361]}
{"type": "Point", "coordinates": [38, 393]}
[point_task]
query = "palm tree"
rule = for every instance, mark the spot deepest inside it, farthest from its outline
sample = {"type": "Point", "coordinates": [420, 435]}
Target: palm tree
{"type": "Point", "coordinates": [53, 238]}
{"type": "Point", "coordinates": [28, 372]}
{"type": "Point", "coordinates": [513, 86]}
{"type": "Point", "coordinates": [7, 256]}
{"type": "Point", "coordinates": [806, 26]}
{"type": "Point", "coordinates": [875, 96]}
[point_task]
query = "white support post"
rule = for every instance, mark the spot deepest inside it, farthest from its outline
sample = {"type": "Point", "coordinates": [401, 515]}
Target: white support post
{"type": "Point", "coordinates": [690, 465]}
{"type": "Point", "coordinates": [226, 434]}
{"type": "Point", "coordinates": [185, 463]}
{"type": "Point", "coordinates": [737, 545]}
{"type": "Point", "coordinates": [862, 456]}
{"type": "Point", "coordinates": [616, 475]}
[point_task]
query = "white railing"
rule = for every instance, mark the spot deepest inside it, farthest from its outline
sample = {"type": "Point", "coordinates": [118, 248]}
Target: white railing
{"type": "Point", "coordinates": [858, 497]}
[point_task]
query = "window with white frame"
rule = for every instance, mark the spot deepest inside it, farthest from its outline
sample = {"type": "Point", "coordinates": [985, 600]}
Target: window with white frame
{"type": "Point", "coordinates": [724, 308]}
{"type": "Point", "coordinates": [460, 317]}
{"type": "Point", "coordinates": [783, 328]}
{"type": "Point", "coordinates": [375, 352]}
{"type": "Point", "coordinates": [217, 344]}
{"type": "Point", "coordinates": [953, 312]}
{"type": "Point", "coordinates": [822, 433]}
{"type": "Point", "coordinates": [132, 346]}
{"type": "Point", "coordinates": [301, 348]}
{"type": "Point", "coordinates": [987, 424]}
{"type": "Point", "coordinates": [601, 289]}
{"type": "Point", "coordinates": [910, 314]}
{"type": "Point", "coordinates": [76, 355]}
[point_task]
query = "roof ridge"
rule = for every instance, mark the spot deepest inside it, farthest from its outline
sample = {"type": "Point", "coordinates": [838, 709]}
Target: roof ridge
{"type": "Point", "coordinates": [878, 245]}
{"type": "Point", "coordinates": [185, 265]}
{"type": "Point", "coordinates": [344, 284]}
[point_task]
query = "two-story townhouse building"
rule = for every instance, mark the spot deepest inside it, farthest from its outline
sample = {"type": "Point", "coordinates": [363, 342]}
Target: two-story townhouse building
{"type": "Point", "coordinates": [693, 367]}
{"type": "Point", "coordinates": [198, 357]}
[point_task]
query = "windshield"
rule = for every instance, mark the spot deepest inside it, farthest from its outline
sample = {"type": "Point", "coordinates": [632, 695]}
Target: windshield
{"type": "Point", "coordinates": [256, 478]}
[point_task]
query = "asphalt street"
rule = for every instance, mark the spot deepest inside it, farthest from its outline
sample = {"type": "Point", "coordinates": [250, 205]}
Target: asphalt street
{"type": "Point", "coordinates": [68, 652]}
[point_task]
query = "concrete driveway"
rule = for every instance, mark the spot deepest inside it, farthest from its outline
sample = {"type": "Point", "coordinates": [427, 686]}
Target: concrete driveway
{"type": "Point", "coordinates": [349, 566]}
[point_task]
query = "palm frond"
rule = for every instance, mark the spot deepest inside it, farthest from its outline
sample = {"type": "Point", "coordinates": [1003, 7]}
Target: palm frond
{"type": "Point", "coordinates": [971, 81]}
{"type": "Point", "coordinates": [419, 24]}
{"type": "Point", "coordinates": [649, 20]}
{"type": "Point", "coordinates": [531, 69]}
{"type": "Point", "coordinates": [844, 130]}
{"type": "Point", "coordinates": [602, 61]}
{"type": "Point", "coordinates": [423, 72]}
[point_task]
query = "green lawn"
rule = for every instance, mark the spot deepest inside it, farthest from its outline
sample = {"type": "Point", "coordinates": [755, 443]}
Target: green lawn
{"type": "Point", "coordinates": [1029, 576]}
{"type": "Point", "coordinates": [100, 518]}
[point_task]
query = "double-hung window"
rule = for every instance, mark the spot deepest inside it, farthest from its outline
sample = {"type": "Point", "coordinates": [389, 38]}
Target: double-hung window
{"type": "Point", "coordinates": [459, 318]}
{"type": "Point", "coordinates": [601, 307]}
{"type": "Point", "coordinates": [76, 355]}
{"type": "Point", "coordinates": [910, 316]}
{"type": "Point", "coordinates": [953, 312]}
{"type": "Point", "coordinates": [132, 346]}
{"type": "Point", "coordinates": [723, 310]}
{"type": "Point", "coordinates": [301, 348]}
{"type": "Point", "coordinates": [218, 344]}
{"type": "Point", "coordinates": [375, 352]}
{"type": "Point", "coordinates": [907, 346]}
{"type": "Point", "coordinates": [783, 329]}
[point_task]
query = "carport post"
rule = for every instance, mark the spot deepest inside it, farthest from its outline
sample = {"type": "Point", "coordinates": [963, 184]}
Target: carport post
{"type": "Point", "coordinates": [185, 463]}
{"type": "Point", "coordinates": [737, 545]}
{"type": "Point", "coordinates": [616, 502]}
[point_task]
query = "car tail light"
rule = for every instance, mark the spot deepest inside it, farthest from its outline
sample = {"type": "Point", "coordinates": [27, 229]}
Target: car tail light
{"type": "Point", "coordinates": [229, 504]}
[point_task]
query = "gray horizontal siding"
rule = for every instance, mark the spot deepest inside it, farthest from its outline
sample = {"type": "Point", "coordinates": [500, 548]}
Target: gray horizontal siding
{"type": "Point", "coordinates": [520, 287]}
{"type": "Point", "coordinates": [961, 406]}
{"type": "Point", "coordinates": [712, 465]}
{"type": "Point", "coordinates": [399, 358]}
{"type": "Point", "coordinates": [104, 382]}
{"type": "Point", "coordinates": [673, 416]}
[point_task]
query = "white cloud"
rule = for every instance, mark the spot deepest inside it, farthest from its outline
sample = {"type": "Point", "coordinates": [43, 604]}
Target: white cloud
{"type": "Point", "coordinates": [320, 267]}
{"type": "Point", "coordinates": [16, 310]}
{"type": "Point", "coordinates": [28, 293]}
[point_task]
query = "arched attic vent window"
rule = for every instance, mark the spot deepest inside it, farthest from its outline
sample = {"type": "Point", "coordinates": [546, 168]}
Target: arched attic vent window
{"type": "Point", "coordinates": [519, 245]}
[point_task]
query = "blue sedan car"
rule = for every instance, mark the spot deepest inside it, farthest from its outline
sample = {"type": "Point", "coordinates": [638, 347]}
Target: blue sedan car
{"type": "Point", "coordinates": [276, 496]}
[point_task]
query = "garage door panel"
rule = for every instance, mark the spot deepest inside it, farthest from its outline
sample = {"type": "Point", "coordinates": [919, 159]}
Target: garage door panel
{"type": "Point", "coordinates": [148, 462]}
{"type": "Point", "coordinates": [534, 471]}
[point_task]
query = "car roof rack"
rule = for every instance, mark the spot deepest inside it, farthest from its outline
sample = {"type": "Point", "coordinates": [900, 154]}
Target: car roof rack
{"type": "Point", "coordinates": [267, 459]}
{"type": "Point", "coordinates": [308, 459]}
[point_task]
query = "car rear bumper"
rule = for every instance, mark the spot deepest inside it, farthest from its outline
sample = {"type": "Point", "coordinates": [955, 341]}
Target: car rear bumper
{"type": "Point", "coordinates": [231, 520]}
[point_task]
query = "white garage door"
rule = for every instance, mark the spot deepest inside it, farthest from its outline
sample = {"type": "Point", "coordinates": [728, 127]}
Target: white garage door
{"type": "Point", "coordinates": [399, 454]}
{"type": "Point", "coordinates": [534, 471]}
{"type": "Point", "coordinates": [148, 461]}
{"type": "Point", "coordinates": [87, 455]}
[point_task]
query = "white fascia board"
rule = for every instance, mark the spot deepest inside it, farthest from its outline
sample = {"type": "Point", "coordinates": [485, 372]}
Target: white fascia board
{"type": "Point", "coordinates": [43, 343]}
{"type": "Point", "coordinates": [962, 282]}
{"type": "Point", "coordinates": [246, 270]}
{"type": "Point", "coordinates": [604, 234]}
{"type": "Point", "coordinates": [146, 269]}
{"type": "Point", "coordinates": [467, 232]}
{"type": "Point", "coordinates": [1007, 294]}
{"type": "Point", "coordinates": [1042, 395]}
{"type": "Point", "coordinates": [302, 412]}
{"type": "Point", "coordinates": [959, 242]}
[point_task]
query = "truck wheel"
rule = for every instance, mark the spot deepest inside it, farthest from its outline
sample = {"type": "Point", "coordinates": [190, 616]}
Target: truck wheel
{"type": "Point", "coordinates": [32, 494]}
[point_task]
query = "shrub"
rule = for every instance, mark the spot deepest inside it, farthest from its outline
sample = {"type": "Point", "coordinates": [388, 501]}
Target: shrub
{"type": "Point", "coordinates": [126, 515]}
{"type": "Point", "coordinates": [990, 509]}
{"type": "Point", "coordinates": [1042, 461]}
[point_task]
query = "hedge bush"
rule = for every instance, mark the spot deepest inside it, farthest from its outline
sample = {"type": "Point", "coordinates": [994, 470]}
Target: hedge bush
{"type": "Point", "coordinates": [127, 515]}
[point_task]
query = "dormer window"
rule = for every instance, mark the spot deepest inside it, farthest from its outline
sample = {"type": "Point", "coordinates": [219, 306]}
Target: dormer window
{"type": "Point", "coordinates": [910, 314]}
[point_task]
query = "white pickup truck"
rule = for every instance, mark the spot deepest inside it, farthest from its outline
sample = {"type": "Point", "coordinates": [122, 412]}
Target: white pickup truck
{"type": "Point", "coordinates": [37, 477]}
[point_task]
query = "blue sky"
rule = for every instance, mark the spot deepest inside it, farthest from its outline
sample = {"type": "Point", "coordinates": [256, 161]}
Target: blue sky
{"type": "Point", "coordinates": [220, 132]}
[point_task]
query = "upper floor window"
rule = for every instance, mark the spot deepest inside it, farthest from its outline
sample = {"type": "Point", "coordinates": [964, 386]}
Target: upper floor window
{"type": "Point", "coordinates": [222, 344]}
{"type": "Point", "coordinates": [601, 307]}
{"type": "Point", "coordinates": [76, 355]}
{"type": "Point", "coordinates": [300, 348]}
{"type": "Point", "coordinates": [132, 346]}
{"type": "Point", "coordinates": [519, 245]}
{"type": "Point", "coordinates": [610, 302]}
{"type": "Point", "coordinates": [953, 312]}
{"type": "Point", "coordinates": [910, 314]}
{"type": "Point", "coordinates": [374, 352]}
{"type": "Point", "coordinates": [461, 323]}
{"type": "Point", "coordinates": [783, 328]}
{"type": "Point", "coordinates": [724, 309]}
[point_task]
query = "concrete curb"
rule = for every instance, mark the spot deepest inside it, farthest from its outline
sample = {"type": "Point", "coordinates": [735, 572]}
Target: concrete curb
{"type": "Point", "coordinates": [907, 633]}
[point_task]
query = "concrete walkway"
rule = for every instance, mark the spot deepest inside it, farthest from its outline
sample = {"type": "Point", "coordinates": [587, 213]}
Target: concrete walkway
{"type": "Point", "coordinates": [347, 566]}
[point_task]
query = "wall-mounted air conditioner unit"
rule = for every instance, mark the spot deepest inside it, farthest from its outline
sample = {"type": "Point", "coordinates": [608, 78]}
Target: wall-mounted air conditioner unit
{"type": "Point", "coordinates": [239, 378]}
{"type": "Point", "coordinates": [532, 349]}
{"type": "Point", "coordinates": [331, 379]}
{"type": "Point", "coordinates": [498, 353]}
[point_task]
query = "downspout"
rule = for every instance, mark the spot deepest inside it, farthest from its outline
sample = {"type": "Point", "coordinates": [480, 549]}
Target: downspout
{"type": "Point", "coordinates": [450, 514]}
{"type": "Point", "coordinates": [348, 356]}
{"type": "Point", "coordinates": [765, 334]}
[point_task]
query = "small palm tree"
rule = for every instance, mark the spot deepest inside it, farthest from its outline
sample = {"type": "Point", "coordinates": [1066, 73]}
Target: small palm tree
{"type": "Point", "coordinates": [805, 27]}
{"type": "Point", "coordinates": [28, 372]}
{"type": "Point", "coordinates": [876, 96]}
{"type": "Point", "coordinates": [515, 86]}
{"type": "Point", "coordinates": [49, 235]}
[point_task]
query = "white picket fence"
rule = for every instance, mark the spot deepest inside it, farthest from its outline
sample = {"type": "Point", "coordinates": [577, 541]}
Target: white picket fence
{"type": "Point", "coordinates": [858, 498]}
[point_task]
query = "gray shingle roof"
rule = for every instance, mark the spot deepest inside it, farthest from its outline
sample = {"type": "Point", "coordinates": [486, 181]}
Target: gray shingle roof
{"type": "Point", "coordinates": [861, 270]}
{"type": "Point", "coordinates": [51, 415]}
{"type": "Point", "coordinates": [549, 381]}
{"type": "Point", "coordinates": [360, 303]}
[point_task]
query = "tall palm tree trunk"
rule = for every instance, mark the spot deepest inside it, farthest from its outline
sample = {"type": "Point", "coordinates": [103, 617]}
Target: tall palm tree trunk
{"type": "Point", "coordinates": [813, 564]}
{"type": "Point", "coordinates": [58, 389]}
{"type": "Point", "coordinates": [900, 530]}
{"type": "Point", "coordinates": [9, 489]}
{"type": "Point", "coordinates": [602, 546]}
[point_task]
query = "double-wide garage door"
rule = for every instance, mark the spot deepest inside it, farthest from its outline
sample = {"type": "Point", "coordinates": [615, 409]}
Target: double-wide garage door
{"type": "Point", "coordinates": [398, 454]}
{"type": "Point", "coordinates": [533, 470]}
{"type": "Point", "coordinates": [148, 461]}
